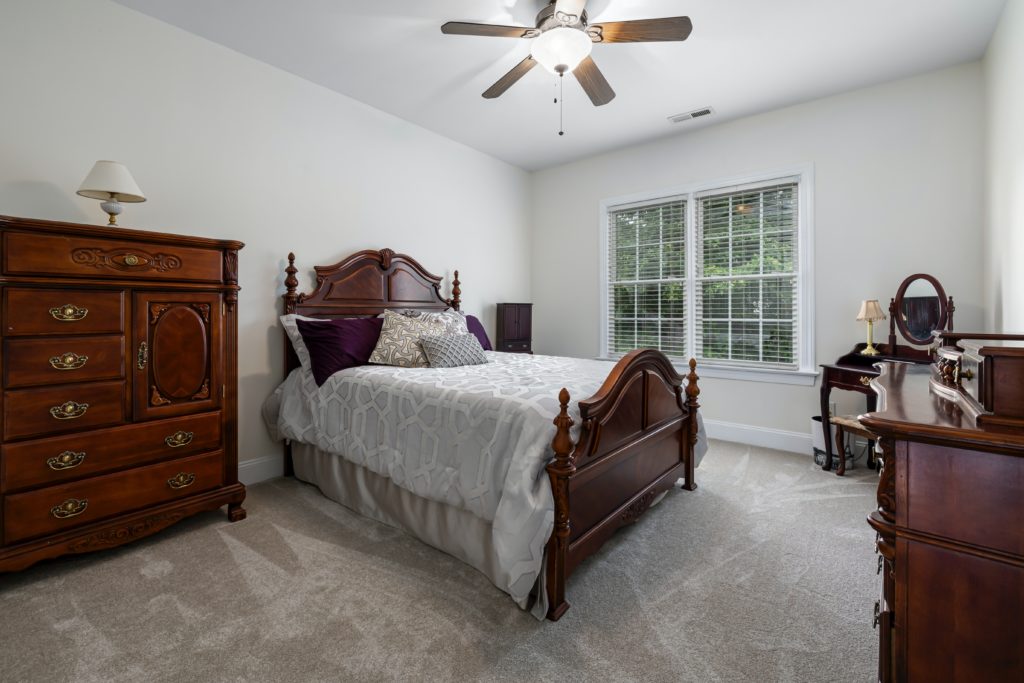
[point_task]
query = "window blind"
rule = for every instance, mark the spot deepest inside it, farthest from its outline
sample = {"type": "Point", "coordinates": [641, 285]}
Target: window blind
{"type": "Point", "coordinates": [647, 278]}
{"type": "Point", "coordinates": [747, 264]}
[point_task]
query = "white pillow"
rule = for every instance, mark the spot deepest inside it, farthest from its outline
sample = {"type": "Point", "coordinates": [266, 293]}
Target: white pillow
{"type": "Point", "coordinates": [292, 330]}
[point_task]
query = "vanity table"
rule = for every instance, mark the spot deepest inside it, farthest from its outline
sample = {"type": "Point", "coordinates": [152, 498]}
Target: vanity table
{"type": "Point", "coordinates": [919, 309]}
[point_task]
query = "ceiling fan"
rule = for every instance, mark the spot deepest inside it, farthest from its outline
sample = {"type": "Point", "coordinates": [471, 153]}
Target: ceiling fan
{"type": "Point", "coordinates": [563, 39]}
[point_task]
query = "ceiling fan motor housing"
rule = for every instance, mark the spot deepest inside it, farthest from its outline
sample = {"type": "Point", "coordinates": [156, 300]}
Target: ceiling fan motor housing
{"type": "Point", "coordinates": [546, 19]}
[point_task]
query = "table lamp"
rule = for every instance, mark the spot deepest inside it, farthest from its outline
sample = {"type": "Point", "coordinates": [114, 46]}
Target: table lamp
{"type": "Point", "coordinates": [870, 311]}
{"type": "Point", "coordinates": [111, 183]}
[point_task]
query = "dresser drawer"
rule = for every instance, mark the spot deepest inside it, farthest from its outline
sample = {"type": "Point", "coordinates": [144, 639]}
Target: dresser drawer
{"type": "Point", "coordinates": [62, 311]}
{"type": "Point", "coordinates": [58, 360]}
{"type": "Point", "coordinates": [35, 254]}
{"type": "Point", "coordinates": [515, 347]}
{"type": "Point", "coordinates": [56, 508]}
{"type": "Point", "coordinates": [33, 412]}
{"type": "Point", "coordinates": [58, 459]}
{"type": "Point", "coordinates": [853, 380]}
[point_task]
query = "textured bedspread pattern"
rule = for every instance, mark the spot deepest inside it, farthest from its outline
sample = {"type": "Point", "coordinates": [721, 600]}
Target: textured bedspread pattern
{"type": "Point", "coordinates": [474, 437]}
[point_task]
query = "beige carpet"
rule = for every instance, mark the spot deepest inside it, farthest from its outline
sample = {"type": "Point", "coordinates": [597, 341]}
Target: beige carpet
{"type": "Point", "coordinates": [766, 573]}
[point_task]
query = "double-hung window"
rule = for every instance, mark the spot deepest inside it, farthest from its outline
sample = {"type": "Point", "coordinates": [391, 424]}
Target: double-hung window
{"type": "Point", "coordinates": [720, 272]}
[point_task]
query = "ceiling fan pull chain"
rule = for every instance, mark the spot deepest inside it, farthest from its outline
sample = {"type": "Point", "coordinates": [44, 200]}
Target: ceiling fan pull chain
{"type": "Point", "coordinates": [561, 102]}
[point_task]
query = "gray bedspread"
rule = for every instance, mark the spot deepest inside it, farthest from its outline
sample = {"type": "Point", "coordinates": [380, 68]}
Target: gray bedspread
{"type": "Point", "coordinates": [474, 437]}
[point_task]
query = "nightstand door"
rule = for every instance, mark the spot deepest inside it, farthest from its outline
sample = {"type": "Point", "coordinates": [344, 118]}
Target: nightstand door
{"type": "Point", "coordinates": [510, 322]}
{"type": "Point", "coordinates": [177, 356]}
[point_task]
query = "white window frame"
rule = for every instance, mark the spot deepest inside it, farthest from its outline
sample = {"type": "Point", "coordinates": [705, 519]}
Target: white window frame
{"type": "Point", "coordinates": [806, 372]}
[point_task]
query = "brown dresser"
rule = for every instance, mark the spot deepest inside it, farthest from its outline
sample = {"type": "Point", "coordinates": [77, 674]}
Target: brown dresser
{"type": "Point", "coordinates": [119, 404]}
{"type": "Point", "coordinates": [950, 517]}
{"type": "Point", "coordinates": [515, 328]}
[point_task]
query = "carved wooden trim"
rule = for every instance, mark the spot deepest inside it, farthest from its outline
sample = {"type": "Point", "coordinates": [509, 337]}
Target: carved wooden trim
{"type": "Point", "coordinates": [637, 508]}
{"type": "Point", "coordinates": [157, 310]}
{"type": "Point", "coordinates": [887, 481]}
{"type": "Point", "coordinates": [204, 310]}
{"type": "Point", "coordinates": [125, 259]}
{"type": "Point", "coordinates": [110, 538]}
{"type": "Point", "coordinates": [204, 391]}
{"type": "Point", "coordinates": [157, 399]}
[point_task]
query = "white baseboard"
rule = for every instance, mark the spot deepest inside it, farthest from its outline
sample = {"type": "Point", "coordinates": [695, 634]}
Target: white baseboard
{"type": "Point", "coordinates": [766, 437]}
{"type": "Point", "coordinates": [260, 469]}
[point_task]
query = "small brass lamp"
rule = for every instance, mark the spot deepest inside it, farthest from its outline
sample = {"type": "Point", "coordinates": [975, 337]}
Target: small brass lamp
{"type": "Point", "coordinates": [870, 311]}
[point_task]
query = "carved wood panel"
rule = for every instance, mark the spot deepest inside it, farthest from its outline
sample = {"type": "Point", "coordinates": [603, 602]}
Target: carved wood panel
{"type": "Point", "coordinates": [178, 338]}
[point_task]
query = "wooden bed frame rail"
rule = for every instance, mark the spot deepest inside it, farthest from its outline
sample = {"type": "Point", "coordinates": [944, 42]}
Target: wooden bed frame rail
{"type": "Point", "coordinates": [637, 435]}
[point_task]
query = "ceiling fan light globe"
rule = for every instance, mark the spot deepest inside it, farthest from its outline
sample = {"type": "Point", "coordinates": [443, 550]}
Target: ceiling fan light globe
{"type": "Point", "coordinates": [561, 46]}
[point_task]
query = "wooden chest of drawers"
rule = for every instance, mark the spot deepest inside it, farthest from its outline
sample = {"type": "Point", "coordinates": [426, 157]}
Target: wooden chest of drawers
{"type": "Point", "coordinates": [119, 403]}
{"type": "Point", "coordinates": [515, 328]}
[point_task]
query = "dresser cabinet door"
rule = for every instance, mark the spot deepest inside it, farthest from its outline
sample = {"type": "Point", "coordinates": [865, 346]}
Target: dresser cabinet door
{"type": "Point", "coordinates": [177, 353]}
{"type": "Point", "coordinates": [510, 322]}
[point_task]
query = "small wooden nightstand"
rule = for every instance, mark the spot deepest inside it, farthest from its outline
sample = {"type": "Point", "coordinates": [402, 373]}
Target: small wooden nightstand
{"type": "Point", "coordinates": [515, 328]}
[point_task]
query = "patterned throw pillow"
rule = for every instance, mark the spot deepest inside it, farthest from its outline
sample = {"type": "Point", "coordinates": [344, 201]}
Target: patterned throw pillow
{"type": "Point", "coordinates": [453, 350]}
{"type": "Point", "coordinates": [399, 342]}
{"type": "Point", "coordinates": [453, 321]}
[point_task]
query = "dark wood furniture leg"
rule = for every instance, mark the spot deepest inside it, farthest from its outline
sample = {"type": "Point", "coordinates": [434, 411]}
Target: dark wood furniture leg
{"type": "Point", "coordinates": [826, 390]}
{"type": "Point", "coordinates": [840, 451]}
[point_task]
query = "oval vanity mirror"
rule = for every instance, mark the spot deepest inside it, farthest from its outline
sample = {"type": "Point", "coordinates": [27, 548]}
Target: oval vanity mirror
{"type": "Point", "coordinates": [920, 308]}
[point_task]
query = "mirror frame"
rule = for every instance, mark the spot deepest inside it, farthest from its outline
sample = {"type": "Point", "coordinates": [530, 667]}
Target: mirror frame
{"type": "Point", "coordinates": [896, 305]}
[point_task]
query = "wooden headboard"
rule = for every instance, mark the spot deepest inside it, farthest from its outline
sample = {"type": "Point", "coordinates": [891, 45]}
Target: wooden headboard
{"type": "Point", "coordinates": [368, 283]}
{"type": "Point", "coordinates": [365, 284]}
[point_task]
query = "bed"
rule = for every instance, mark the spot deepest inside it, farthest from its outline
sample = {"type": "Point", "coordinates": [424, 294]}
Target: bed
{"type": "Point", "coordinates": [494, 464]}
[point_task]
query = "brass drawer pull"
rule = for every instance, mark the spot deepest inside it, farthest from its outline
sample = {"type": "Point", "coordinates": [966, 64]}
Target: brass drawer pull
{"type": "Point", "coordinates": [66, 460]}
{"type": "Point", "coordinates": [181, 480]}
{"type": "Point", "coordinates": [72, 507]}
{"type": "Point", "coordinates": [68, 361]}
{"type": "Point", "coordinates": [69, 410]}
{"type": "Point", "coordinates": [131, 260]}
{"type": "Point", "coordinates": [143, 356]}
{"type": "Point", "coordinates": [179, 439]}
{"type": "Point", "coordinates": [69, 313]}
{"type": "Point", "coordinates": [865, 380]}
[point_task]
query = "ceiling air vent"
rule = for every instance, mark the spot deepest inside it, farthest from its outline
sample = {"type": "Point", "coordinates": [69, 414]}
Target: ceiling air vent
{"type": "Point", "coordinates": [695, 114]}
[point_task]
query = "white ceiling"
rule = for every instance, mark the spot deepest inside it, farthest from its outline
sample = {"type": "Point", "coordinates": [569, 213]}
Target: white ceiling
{"type": "Point", "coordinates": [744, 56]}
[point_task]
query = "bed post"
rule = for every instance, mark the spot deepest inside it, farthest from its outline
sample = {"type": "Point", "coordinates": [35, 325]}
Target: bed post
{"type": "Point", "coordinates": [291, 299]}
{"type": "Point", "coordinates": [455, 301]}
{"type": "Point", "coordinates": [559, 471]}
{"type": "Point", "coordinates": [291, 283]}
{"type": "Point", "coordinates": [692, 391]}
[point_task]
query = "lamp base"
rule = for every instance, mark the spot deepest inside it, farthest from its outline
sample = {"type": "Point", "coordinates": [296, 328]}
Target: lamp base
{"type": "Point", "coordinates": [870, 350]}
{"type": "Point", "coordinates": [113, 208]}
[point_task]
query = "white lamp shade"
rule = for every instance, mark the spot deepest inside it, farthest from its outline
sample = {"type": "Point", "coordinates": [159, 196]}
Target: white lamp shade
{"type": "Point", "coordinates": [111, 178]}
{"type": "Point", "coordinates": [561, 46]}
{"type": "Point", "coordinates": [870, 310]}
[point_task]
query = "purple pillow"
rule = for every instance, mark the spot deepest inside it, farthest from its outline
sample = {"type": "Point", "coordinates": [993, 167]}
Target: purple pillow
{"type": "Point", "coordinates": [338, 344]}
{"type": "Point", "coordinates": [477, 328]}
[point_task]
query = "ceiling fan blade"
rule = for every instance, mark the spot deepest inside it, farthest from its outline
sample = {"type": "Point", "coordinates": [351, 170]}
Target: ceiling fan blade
{"type": "Point", "coordinates": [509, 79]}
{"type": "Point", "coordinates": [461, 28]}
{"type": "Point", "coordinates": [593, 82]}
{"type": "Point", "coordinates": [642, 30]}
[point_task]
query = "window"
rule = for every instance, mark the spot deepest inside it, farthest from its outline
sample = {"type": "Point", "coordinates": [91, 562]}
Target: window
{"type": "Point", "coordinates": [715, 272]}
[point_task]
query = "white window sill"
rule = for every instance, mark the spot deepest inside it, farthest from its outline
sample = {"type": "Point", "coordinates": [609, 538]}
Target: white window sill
{"type": "Point", "coordinates": [805, 378]}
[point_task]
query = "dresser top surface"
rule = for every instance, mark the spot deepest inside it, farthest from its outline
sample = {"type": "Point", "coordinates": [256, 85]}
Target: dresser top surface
{"type": "Point", "coordinates": [908, 407]}
{"type": "Point", "coordinates": [101, 231]}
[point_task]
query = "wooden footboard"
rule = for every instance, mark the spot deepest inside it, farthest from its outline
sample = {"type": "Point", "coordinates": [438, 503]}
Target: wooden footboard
{"type": "Point", "coordinates": [637, 438]}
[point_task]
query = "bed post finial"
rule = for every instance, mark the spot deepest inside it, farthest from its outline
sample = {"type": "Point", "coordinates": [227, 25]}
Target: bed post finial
{"type": "Point", "coordinates": [559, 470]}
{"type": "Point", "coordinates": [455, 301]}
{"type": "Point", "coordinates": [692, 392]}
{"type": "Point", "coordinates": [291, 283]}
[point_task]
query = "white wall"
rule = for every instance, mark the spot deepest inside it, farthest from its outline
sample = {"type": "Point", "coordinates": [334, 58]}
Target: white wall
{"type": "Point", "coordinates": [1004, 263]}
{"type": "Point", "coordinates": [228, 147]}
{"type": "Point", "coordinates": [898, 190]}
